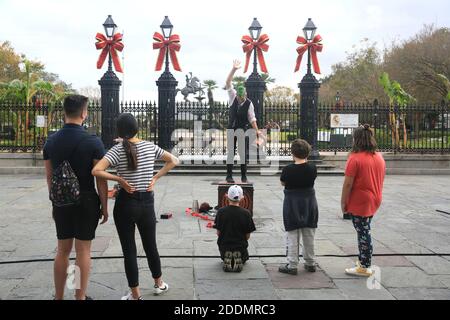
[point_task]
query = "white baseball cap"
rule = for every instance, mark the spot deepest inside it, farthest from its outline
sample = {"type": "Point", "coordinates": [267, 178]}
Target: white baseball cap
{"type": "Point", "coordinates": [235, 193]}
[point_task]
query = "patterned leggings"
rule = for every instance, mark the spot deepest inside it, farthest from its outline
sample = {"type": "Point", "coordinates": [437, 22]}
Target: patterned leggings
{"type": "Point", "coordinates": [362, 227]}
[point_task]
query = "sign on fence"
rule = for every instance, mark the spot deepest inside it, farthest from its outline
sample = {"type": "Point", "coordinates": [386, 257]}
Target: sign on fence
{"type": "Point", "coordinates": [344, 120]}
{"type": "Point", "coordinates": [41, 121]}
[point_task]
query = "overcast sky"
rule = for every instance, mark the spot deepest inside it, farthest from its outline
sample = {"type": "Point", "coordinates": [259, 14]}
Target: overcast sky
{"type": "Point", "coordinates": [61, 34]}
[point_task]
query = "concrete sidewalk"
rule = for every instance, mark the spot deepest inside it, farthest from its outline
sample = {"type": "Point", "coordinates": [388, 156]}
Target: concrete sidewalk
{"type": "Point", "coordinates": [407, 223]}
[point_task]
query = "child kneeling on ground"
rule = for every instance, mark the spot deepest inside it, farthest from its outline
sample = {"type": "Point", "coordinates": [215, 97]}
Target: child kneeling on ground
{"type": "Point", "coordinates": [234, 225]}
{"type": "Point", "coordinates": [300, 209]}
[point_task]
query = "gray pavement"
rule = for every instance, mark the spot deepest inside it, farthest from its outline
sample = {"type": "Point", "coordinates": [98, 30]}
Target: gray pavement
{"type": "Point", "coordinates": [407, 223]}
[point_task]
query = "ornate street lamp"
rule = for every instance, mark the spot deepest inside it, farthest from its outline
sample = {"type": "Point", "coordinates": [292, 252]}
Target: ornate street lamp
{"type": "Point", "coordinates": [309, 31]}
{"type": "Point", "coordinates": [166, 27]}
{"type": "Point", "coordinates": [255, 31]}
{"type": "Point", "coordinates": [309, 88]}
{"type": "Point", "coordinates": [167, 44]}
{"type": "Point", "coordinates": [110, 27]}
{"type": "Point", "coordinates": [110, 30]}
{"type": "Point", "coordinates": [110, 84]}
{"type": "Point", "coordinates": [255, 84]}
{"type": "Point", "coordinates": [337, 97]}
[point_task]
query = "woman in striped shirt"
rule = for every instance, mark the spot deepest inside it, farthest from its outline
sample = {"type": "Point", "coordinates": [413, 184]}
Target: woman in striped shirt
{"type": "Point", "coordinates": [134, 160]}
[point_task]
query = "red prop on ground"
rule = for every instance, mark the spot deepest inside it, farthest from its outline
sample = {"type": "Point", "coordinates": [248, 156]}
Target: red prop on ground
{"type": "Point", "coordinates": [206, 217]}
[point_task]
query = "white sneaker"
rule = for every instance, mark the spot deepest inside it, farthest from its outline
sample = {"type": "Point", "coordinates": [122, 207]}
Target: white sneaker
{"type": "Point", "coordinates": [359, 272]}
{"type": "Point", "coordinates": [129, 296]}
{"type": "Point", "coordinates": [160, 290]}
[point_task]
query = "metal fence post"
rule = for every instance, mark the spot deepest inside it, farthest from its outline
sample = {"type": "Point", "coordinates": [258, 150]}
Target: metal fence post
{"type": "Point", "coordinates": [110, 89]}
{"type": "Point", "coordinates": [309, 93]}
{"type": "Point", "coordinates": [167, 85]}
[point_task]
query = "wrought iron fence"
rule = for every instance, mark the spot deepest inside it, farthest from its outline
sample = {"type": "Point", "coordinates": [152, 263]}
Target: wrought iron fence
{"type": "Point", "coordinates": [412, 129]}
{"type": "Point", "coordinates": [25, 127]}
{"type": "Point", "coordinates": [200, 129]}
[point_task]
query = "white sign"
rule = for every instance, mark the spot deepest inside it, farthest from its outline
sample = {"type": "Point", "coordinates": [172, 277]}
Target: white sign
{"type": "Point", "coordinates": [344, 120]}
{"type": "Point", "coordinates": [41, 121]}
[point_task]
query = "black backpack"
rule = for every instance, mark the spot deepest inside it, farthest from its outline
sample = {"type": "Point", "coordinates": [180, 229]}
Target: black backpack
{"type": "Point", "coordinates": [65, 187]}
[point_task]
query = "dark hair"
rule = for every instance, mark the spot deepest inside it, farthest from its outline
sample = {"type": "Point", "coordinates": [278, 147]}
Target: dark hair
{"type": "Point", "coordinates": [364, 140]}
{"type": "Point", "coordinates": [300, 149]}
{"type": "Point", "coordinates": [74, 105]}
{"type": "Point", "coordinates": [127, 128]}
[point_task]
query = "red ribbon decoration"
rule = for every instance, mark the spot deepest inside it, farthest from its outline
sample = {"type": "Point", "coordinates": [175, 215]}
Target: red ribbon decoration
{"type": "Point", "coordinates": [315, 45]}
{"type": "Point", "coordinates": [173, 43]}
{"type": "Point", "coordinates": [260, 45]}
{"type": "Point", "coordinates": [110, 46]}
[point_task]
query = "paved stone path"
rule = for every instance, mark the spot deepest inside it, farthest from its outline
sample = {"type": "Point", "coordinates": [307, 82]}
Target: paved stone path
{"type": "Point", "coordinates": [407, 223]}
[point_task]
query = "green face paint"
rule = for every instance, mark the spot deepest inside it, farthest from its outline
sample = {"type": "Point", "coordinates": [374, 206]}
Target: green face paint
{"type": "Point", "coordinates": [240, 91]}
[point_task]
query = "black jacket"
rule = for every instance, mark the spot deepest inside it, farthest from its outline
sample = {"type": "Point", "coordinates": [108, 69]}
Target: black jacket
{"type": "Point", "coordinates": [238, 115]}
{"type": "Point", "coordinates": [300, 209]}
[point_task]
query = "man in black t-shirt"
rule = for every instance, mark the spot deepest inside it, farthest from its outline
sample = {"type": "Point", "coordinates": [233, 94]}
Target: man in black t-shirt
{"type": "Point", "coordinates": [234, 226]}
{"type": "Point", "coordinates": [79, 222]}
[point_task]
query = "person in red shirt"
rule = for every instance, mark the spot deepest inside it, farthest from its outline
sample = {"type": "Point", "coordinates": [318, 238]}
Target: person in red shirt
{"type": "Point", "coordinates": [362, 193]}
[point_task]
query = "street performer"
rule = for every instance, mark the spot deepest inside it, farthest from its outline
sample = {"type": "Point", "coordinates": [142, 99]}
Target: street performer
{"type": "Point", "coordinates": [241, 118]}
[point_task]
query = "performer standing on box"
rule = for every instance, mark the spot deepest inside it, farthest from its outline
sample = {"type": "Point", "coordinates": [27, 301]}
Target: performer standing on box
{"type": "Point", "coordinates": [241, 118]}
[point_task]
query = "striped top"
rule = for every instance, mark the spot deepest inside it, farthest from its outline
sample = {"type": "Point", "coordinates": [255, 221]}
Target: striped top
{"type": "Point", "coordinates": [147, 153]}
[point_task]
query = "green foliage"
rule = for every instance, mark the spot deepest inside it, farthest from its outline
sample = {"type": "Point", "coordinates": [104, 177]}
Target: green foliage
{"type": "Point", "coordinates": [21, 79]}
{"type": "Point", "coordinates": [446, 83]}
{"type": "Point", "coordinates": [415, 63]}
{"type": "Point", "coordinates": [267, 79]}
{"type": "Point", "coordinates": [210, 84]}
{"type": "Point", "coordinates": [397, 95]}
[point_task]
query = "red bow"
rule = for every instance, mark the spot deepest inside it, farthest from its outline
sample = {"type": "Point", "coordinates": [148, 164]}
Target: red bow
{"type": "Point", "coordinates": [173, 43]}
{"type": "Point", "coordinates": [109, 45]}
{"type": "Point", "coordinates": [315, 45]}
{"type": "Point", "coordinates": [260, 45]}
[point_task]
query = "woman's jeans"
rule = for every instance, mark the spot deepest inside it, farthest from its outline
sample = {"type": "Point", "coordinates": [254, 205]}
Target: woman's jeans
{"type": "Point", "coordinates": [362, 227]}
{"type": "Point", "coordinates": [133, 210]}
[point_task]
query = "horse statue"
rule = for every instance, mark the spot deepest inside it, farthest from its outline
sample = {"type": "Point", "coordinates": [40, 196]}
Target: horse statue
{"type": "Point", "coordinates": [193, 86]}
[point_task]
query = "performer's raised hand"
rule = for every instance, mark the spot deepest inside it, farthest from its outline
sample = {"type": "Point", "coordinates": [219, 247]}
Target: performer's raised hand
{"type": "Point", "coordinates": [236, 64]}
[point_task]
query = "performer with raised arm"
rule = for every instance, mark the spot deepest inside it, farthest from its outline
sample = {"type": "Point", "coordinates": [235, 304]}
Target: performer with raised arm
{"type": "Point", "coordinates": [241, 116]}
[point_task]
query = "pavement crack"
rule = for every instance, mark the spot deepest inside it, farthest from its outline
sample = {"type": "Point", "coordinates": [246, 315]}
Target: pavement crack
{"type": "Point", "coordinates": [103, 285]}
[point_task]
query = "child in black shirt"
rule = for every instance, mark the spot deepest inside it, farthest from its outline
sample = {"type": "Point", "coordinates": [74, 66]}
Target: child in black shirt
{"type": "Point", "coordinates": [300, 210]}
{"type": "Point", "coordinates": [234, 225]}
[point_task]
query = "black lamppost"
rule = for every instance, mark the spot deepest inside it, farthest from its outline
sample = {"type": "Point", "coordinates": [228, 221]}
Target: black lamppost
{"type": "Point", "coordinates": [167, 85]}
{"type": "Point", "coordinates": [309, 93]}
{"type": "Point", "coordinates": [110, 89]}
{"type": "Point", "coordinates": [255, 84]}
{"type": "Point", "coordinates": [337, 97]}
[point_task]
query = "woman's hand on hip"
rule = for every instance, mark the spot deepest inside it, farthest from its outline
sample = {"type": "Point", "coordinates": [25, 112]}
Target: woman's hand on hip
{"type": "Point", "coordinates": [128, 187]}
{"type": "Point", "coordinates": [152, 184]}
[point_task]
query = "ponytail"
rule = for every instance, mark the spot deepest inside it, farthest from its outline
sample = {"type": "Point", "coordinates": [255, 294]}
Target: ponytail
{"type": "Point", "coordinates": [127, 128]}
{"type": "Point", "coordinates": [131, 154]}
